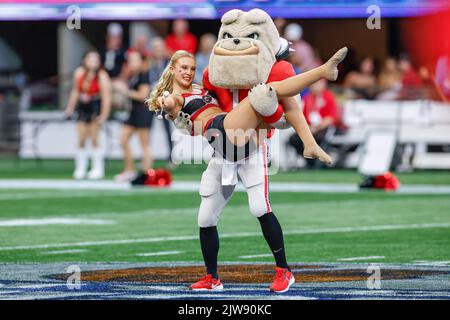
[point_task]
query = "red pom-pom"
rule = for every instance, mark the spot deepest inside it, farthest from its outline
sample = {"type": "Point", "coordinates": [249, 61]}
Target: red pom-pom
{"type": "Point", "coordinates": [387, 182]}
{"type": "Point", "coordinates": [158, 178]}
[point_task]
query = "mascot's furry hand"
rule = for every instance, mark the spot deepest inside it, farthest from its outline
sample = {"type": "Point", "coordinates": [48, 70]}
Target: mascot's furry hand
{"type": "Point", "coordinates": [182, 122]}
{"type": "Point", "coordinates": [316, 152]}
{"type": "Point", "coordinates": [263, 99]}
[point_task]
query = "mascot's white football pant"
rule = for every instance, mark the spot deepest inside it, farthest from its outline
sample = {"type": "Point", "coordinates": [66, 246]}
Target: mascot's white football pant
{"type": "Point", "coordinates": [219, 180]}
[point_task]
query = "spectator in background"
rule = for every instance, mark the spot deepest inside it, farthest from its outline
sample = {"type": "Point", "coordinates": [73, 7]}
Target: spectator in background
{"type": "Point", "coordinates": [113, 55]}
{"type": "Point", "coordinates": [207, 42]}
{"type": "Point", "coordinates": [280, 24]}
{"type": "Point", "coordinates": [92, 93]}
{"type": "Point", "coordinates": [442, 77]}
{"type": "Point", "coordinates": [411, 80]}
{"type": "Point", "coordinates": [389, 80]}
{"type": "Point", "coordinates": [303, 50]}
{"type": "Point", "coordinates": [140, 119]}
{"type": "Point", "coordinates": [113, 60]}
{"type": "Point", "coordinates": [295, 62]}
{"type": "Point", "coordinates": [141, 46]}
{"type": "Point", "coordinates": [181, 38]}
{"type": "Point", "coordinates": [321, 113]}
{"type": "Point", "coordinates": [363, 82]}
{"type": "Point", "coordinates": [158, 63]}
{"type": "Point", "coordinates": [428, 89]}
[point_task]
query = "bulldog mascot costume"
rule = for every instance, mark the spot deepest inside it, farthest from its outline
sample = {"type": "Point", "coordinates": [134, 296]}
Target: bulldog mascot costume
{"type": "Point", "coordinates": [247, 55]}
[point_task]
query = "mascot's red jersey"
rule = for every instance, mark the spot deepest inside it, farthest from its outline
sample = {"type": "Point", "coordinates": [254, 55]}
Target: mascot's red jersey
{"type": "Point", "coordinates": [280, 71]}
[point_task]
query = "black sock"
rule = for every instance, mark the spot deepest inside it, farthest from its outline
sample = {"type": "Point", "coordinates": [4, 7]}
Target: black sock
{"type": "Point", "coordinates": [271, 229]}
{"type": "Point", "coordinates": [209, 241]}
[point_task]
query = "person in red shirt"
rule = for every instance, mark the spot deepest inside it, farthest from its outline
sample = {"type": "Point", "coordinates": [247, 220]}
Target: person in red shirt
{"type": "Point", "coordinates": [321, 113]}
{"type": "Point", "coordinates": [181, 38]}
{"type": "Point", "coordinates": [411, 81]}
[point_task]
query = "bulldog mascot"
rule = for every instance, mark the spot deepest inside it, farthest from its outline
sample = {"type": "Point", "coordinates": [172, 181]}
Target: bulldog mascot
{"type": "Point", "coordinates": [247, 55]}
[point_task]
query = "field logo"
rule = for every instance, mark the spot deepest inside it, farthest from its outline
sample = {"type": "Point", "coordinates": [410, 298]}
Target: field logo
{"type": "Point", "coordinates": [374, 20]}
{"type": "Point", "coordinates": [374, 280]}
{"type": "Point", "coordinates": [74, 280]}
{"type": "Point", "coordinates": [74, 19]}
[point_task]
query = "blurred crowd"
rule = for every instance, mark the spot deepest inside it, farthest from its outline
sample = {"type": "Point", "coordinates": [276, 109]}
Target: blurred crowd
{"type": "Point", "coordinates": [120, 77]}
{"type": "Point", "coordinates": [134, 71]}
{"type": "Point", "coordinates": [394, 78]}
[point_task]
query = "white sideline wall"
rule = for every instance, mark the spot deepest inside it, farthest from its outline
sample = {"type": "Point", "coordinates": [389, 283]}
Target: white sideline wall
{"type": "Point", "coordinates": [45, 135]}
{"type": "Point", "coordinates": [418, 123]}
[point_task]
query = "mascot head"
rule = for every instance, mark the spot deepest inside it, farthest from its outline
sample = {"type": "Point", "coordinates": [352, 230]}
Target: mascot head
{"type": "Point", "coordinates": [247, 48]}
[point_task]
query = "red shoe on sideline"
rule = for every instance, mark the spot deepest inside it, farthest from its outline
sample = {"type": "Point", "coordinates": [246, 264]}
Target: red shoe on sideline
{"type": "Point", "coordinates": [207, 283]}
{"type": "Point", "coordinates": [282, 281]}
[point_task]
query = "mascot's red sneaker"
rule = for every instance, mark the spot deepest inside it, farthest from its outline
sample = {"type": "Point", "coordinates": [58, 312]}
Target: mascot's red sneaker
{"type": "Point", "coordinates": [207, 283]}
{"type": "Point", "coordinates": [282, 281]}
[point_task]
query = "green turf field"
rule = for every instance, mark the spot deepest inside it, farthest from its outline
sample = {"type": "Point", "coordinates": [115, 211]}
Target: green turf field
{"type": "Point", "coordinates": [11, 168]}
{"type": "Point", "coordinates": [135, 225]}
{"type": "Point", "coordinates": [159, 225]}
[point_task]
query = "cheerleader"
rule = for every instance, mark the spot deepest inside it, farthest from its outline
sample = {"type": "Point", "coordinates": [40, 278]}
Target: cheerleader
{"type": "Point", "coordinates": [91, 97]}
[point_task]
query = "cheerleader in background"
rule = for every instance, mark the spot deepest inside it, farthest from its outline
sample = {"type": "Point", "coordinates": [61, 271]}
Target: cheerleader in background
{"type": "Point", "coordinates": [91, 92]}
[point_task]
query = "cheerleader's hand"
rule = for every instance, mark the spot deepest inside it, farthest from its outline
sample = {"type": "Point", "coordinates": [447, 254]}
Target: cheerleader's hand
{"type": "Point", "coordinates": [68, 115]}
{"type": "Point", "coordinates": [316, 152]}
{"type": "Point", "coordinates": [167, 101]}
{"type": "Point", "coordinates": [100, 120]}
{"type": "Point", "coordinates": [182, 122]}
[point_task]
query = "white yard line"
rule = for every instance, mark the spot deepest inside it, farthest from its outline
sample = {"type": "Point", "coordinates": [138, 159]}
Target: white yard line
{"type": "Point", "coordinates": [65, 251]}
{"type": "Point", "coordinates": [62, 184]}
{"type": "Point", "coordinates": [431, 263]}
{"type": "Point", "coordinates": [39, 286]}
{"type": "Point", "coordinates": [256, 256]}
{"type": "Point", "coordinates": [362, 258]}
{"type": "Point", "coordinates": [234, 235]}
{"type": "Point", "coordinates": [194, 185]}
{"type": "Point", "coordinates": [69, 194]}
{"type": "Point", "coordinates": [161, 253]}
{"type": "Point", "coordinates": [53, 221]}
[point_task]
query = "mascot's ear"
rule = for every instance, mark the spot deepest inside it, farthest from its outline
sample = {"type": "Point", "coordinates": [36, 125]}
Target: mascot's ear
{"type": "Point", "coordinates": [258, 16]}
{"type": "Point", "coordinates": [285, 49]}
{"type": "Point", "coordinates": [231, 16]}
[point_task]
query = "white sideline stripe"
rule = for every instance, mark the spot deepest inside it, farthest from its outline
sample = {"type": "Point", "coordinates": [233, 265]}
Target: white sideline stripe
{"type": "Point", "coordinates": [431, 263]}
{"type": "Point", "coordinates": [161, 253]}
{"type": "Point", "coordinates": [40, 286]}
{"type": "Point", "coordinates": [62, 184]}
{"type": "Point", "coordinates": [68, 194]}
{"type": "Point", "coordinates": [234, 235]}
{"type": "Point", "coordinates": [53, 221]}
{"type": "Point", "coordinates": [256, 256]}
{"type": "Point", "coordinates": [65, 251]}
{"type": "Point", "coordinates": [362, 258]}
{"type": "Point", "coordinates": [194, 185]}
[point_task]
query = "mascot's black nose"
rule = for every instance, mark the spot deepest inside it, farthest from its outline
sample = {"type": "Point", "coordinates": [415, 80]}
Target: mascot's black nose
{"type": "Point", "coordinates": [237, 41]}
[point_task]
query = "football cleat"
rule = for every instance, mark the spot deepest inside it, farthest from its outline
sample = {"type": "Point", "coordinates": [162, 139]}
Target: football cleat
{"type": "Point", "coordinates": [282, 281]}
{"type": "Point", "coordinates": [207, 283]}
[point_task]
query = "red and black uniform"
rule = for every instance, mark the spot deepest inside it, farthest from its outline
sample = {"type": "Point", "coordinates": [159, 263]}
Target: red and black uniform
{"type": "Point", "coordinates": [198, 101]}
{"type": "Point", "coordinates": [227, 98]}
{"type": "Point", "coordinates": [89, 102]}
{"type": "Point", "coordinates": [139, 117]}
